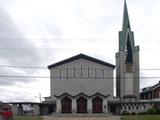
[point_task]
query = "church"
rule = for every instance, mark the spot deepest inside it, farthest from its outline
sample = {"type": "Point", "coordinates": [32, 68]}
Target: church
{"type": "Point", "coordinates": [84, 84]}
{"type": "Point", "coordinates": [81, 84]}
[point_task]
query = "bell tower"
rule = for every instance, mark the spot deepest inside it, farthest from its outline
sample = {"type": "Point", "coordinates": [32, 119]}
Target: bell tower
{"type": "Point", "coordinates": [127, 62]}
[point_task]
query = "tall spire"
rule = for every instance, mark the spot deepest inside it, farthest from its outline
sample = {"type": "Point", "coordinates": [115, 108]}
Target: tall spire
{"type": "Point", "coordinates": [126, 23]}
{"type": "Point", "coordinates": [127, 61]}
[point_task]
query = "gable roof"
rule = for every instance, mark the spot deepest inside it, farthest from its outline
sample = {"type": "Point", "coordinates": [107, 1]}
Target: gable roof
{"type": "Point", "coordinates": [150, 89]}
{"type": "Point", "coordinates": [81, 56]}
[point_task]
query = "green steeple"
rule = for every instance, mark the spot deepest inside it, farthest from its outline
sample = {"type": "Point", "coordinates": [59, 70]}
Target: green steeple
{"type": "Point", "coordinates": [127, 62]}
{"type": "Point", "coordinates": [126, 23]}
{"type": "Point", "coordinates": [126, 36]}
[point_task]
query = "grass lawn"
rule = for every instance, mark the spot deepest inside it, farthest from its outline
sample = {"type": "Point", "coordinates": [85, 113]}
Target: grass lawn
{"type": "Point", "coordinates": [28, 118]}
{"type": "Point", "coordinates": [141, 117]}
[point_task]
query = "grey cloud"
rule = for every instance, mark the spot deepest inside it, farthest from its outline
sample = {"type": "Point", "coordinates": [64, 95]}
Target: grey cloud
{"type": "Point", "coordinates": [15, 50]}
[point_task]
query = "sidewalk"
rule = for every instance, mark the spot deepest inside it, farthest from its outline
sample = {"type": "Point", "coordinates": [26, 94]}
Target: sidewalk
{"type": "Point", "coordinates": [81, 118]}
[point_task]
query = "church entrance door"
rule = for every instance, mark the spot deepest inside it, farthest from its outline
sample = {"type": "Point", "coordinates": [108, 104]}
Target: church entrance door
{"type": "Point", "coordinates": [66, 104]}
{"type": "Point", "coordinates": [97, 105]}
{"type": "Point", "coordinates": [81, 105]}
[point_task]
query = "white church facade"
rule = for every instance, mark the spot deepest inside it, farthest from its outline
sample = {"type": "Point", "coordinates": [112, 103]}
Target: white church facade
{"type": "Point", "coordinates": [81, 84]}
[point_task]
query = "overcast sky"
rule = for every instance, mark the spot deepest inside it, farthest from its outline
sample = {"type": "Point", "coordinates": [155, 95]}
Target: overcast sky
{"type": "Point", "coordinates": [37, 33]}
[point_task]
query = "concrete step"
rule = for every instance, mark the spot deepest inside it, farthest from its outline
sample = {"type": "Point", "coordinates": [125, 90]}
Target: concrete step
{"type": "Point", "coordinates": [80, 115]}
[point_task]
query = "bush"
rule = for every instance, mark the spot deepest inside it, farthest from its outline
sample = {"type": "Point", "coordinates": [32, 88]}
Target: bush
{"type": "Point", "coordinates": [142, 113]}
{"type": "Point", "coordinates": [125, 113]}
{"type": "Point", "coordinates": [133, 113]}
{"type": "Point", "coordinates": [158, 111]}
{"type": "Point", "coordinates": [151, 111]}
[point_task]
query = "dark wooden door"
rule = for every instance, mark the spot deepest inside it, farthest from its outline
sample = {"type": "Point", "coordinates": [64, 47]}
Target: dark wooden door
{"type": "Point", "coordinates": [66, 104]}
{"type": "Point", "coordinates": [97, 105]}
{"type": "Point", "coordinates": [81, 105]}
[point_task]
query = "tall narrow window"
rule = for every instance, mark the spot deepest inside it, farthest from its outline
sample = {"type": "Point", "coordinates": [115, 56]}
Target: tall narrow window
{"type": "Point", "coordinates": [74, 69]}
{"type": "Point", "coordinates": [81, 71]}
{"type": "Point", "coordinates": [102, 73]}
{"type": "Point", "coordinates": [88, 72]}
{"type": "Point", "coordinates": [67, 73]}
{"type": "Point", "coordinates": [60, 72]}
{"type": "Point", "coordinates": [95, 73]}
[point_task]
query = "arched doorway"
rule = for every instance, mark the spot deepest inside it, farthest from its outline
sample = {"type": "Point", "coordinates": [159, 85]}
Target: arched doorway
{"type": "Point", "coordinates": [97, 105]}
{"type": "Point", "coordinates": [81, 105]}
{"type": "Point", "coordinates": [66, 104]}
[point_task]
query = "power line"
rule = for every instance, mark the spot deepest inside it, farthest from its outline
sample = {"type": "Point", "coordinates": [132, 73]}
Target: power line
{"type": "Point", "coordinates": [58, 40]}
{"type": "Point", "coordinates": [29, 87]}
{"type": "Point", "coordinates": [48, 39]}
{"type": "Point", "coordinates": [17, 86]}
{"type": "Point", "coordinates": [13, 76]}
{"type": "Point", "coordinates": [17, 76]}
{"type": "Point", "coordinates": [38, 67]}
{"type": "Point", "coordinates": [66, 49]}
{"type": "Point", "coordinates": [30, 67]}
{"type": "Point", "coordinates": [13, 93]}
{"type": "Point", "coordinates": [72, 49]}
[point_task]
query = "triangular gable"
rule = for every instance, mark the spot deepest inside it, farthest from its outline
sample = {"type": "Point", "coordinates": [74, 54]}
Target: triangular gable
{"type": "Point", "coordinates": [79, 56]}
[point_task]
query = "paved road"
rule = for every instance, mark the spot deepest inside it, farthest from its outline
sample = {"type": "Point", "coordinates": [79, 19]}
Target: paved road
{"type": "Point", "coordinates": [81, 118]}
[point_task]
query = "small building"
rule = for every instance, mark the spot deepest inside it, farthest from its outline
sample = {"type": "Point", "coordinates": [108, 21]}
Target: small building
{"type": "Point", "coordinates": [152, 92]}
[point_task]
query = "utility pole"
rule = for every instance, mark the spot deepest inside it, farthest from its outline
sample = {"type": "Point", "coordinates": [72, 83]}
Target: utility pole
{"type": "Point", "coordinates": [40, 97]}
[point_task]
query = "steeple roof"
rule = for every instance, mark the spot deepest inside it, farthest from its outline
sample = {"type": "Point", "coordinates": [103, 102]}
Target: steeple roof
{"type": "Point", "coordinates": [126, 23]}
{"type": "Point", "coordinates": [126, 36]}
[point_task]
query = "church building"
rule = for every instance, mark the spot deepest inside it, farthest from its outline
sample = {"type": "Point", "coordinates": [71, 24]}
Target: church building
{"type": "Point", "coordinates": [81, 84]}
{"type": "Point", "coordinates": [84, 84]}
